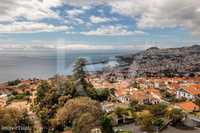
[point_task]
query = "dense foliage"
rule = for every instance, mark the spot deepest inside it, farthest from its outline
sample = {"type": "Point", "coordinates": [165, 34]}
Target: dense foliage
{"type": "Point", "coordinates": [81, 113]}
{"type": "Point", "coordinates": [16, 121]}
{"type": "Point", "coordinates": [14, 82]}
{"type": "Point", "coordinates": [61, 95]}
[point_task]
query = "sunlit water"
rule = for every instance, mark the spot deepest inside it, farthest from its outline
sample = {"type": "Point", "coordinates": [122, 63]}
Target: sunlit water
{"type": "Point", "coordinates": [45, 64]}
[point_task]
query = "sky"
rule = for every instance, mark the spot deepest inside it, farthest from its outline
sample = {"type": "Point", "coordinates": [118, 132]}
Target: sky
{"type": "Point", "coordinates": [98, 24]}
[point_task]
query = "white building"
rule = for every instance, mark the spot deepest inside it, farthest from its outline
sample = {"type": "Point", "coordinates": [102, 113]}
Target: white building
{"type": "Point", "coordinates": [123, 99]}
{"type": "Point", "coordinates": [107, 107]}
{"type": "Point", "coordinates": [3, 100]}
{"type": "Point", "coordinates": [192, 92]}
{"type": "Point", "coordinates": [181, 93]}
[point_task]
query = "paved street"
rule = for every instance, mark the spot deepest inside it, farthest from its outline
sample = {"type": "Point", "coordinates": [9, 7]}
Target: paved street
{"type": "Point", "coordinates": [179, 130]}
{"type": "Point", "coordinates": [136, 129]}
{"type": "Point", "coordinates": [131, 127]}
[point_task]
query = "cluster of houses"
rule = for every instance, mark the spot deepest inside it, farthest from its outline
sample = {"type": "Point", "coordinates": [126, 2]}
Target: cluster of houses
{"type": "Point", "coordinates": [24, 87]}
{"type": "Point", "coordinates": [146, 90]}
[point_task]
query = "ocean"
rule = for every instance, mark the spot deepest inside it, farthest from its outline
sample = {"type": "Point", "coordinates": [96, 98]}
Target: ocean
{"type": "Point", "coordinates": [44, 64]}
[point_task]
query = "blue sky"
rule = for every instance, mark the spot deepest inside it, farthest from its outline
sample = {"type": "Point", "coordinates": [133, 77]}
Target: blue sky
{"type": "Point", "coordinates": [99, 24]}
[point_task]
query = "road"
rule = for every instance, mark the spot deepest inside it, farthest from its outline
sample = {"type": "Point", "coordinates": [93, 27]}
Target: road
{"type": "Point", "coordinates": [171, 129]}
{"type": "Point", "coordinates": [129, 127]}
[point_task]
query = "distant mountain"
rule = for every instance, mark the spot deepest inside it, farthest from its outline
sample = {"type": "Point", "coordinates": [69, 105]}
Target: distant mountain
{"type": "Point", "coordinates": [166, 62]}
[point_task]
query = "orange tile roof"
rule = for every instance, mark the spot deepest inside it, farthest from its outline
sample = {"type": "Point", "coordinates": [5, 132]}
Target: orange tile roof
{"type": "Point", "coordinates": [188, 106]}
{"type": "Point", "coordinates": [120, 91]}
{"type": "Point", "coordinates": [141, 95]}
{"type": "Point", "coordinates": [153, 91]}
{"type": "Point", "coordinates": [175, 85]}
{"type": "Point", "coordinates": [138, 95]}
{"type": "Point", "coordinates": [193, 89]}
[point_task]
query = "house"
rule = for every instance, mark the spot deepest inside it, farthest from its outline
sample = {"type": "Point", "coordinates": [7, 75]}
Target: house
{"type": "Point", "coordinates": [190, 120]}
{"type": "Point", "coordinates": [122, 96]}
{"type": "Point", "coordinates": [122, 92]}
{"type": "Point", "coordinates": [124, 99]}
{"type": "Point", "coordinates": [191, 92]}
{"type": "Point", "coordinates": [154, 92]}
{"type": "Point", "coordinates": [144, 97]}
{"type": "Point", "coordinates": [107, 106]}
{"type": "Point", "coordinates": [188, 106]}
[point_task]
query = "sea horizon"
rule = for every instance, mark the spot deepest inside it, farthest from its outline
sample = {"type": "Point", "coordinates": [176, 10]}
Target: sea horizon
{"type": "Point", "coordinates": [44, 64]}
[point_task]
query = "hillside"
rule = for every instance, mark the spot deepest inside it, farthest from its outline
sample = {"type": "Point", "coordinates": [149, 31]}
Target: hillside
{"type": "Point", "coordinates": [167, 62]}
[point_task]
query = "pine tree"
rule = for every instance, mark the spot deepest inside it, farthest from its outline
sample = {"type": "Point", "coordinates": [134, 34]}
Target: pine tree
{"type": "Point", "coordinates": [79, 77]}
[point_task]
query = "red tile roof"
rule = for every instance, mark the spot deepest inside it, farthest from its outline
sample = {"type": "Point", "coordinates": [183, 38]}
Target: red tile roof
{"type": "Point", "coordinates": [153, 91]}
{"type": "Point", "coordinates": [188, 106]}
{"type": "Point", "coordinates": [193, 89]}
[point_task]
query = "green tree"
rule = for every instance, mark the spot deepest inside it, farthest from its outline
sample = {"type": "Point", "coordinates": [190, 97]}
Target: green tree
{"type": "Point", "coordinates": [79, 77]}
{"type": "Point", "coordinates": [63, 99]}
{"type": "Point", "coordinates": [146, 121]}
{"type": "Point", "coordinates": [83, 87]}
{"type": "Point", "coordinates": [157, 122]}
{"type": "Point", "coordinates": [17, 120]}
{"type": "Point", "coordinates": [78, 71]}
{"type": "Point", "coordinates": [158, 109]}
{"type": "Point", "coordinates": [120, 111]}
{"type": "Point", "coordinates": [175, 115]}
{"type": "Point", "coordinates": [197, 102]}
{"type": "Point", "coordinates": [14, 82]}
{"type": "Point", "coordinates": [85, 123]}
{"type": "Point", "coordinates": [51, 96]}
{"type": "Point", "coordinates": [134, 105]}
{"type": "Point", "coordinates": [41, 90]}
{"type": "Point", "coordinates": [106, 124]}
{"type": "Point", "coordinates": [73, 112]}
{"type": "Point", "coordinates": [102, 94]}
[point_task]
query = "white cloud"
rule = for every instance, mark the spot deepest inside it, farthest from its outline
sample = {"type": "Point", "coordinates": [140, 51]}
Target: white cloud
{"type": "Point", "coordinates": [74, 21]}
{"type": "Point", "coordinates": [28, 9]}
{"type": "Point", "coordinates": [71, 47]}
{"type": "Point", "coordinates": [118, 30]}
{"type": "Point", "coordinates": [147, 13]}
{"type": "Point", "coordinates": [73, 16]}
{"type": "Point", "coordinates": [75, 12]}
{"type": "Point", "coordinates": [55, 46]}
{"type": "Point", "coordinates": [131, 7]}
{"type": "Point", "coordinates": [87, 2]}
{"type": "Point", "coordinates": [30, 27]}
{"type": "Point", "coordinates": [162, 13]}
{"type": "Point", "coordinates": [86, 7]}
{"type": "Point", "coordinates": [96, 19]}
{"type": "Point", "coordinates": [155, 13]}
